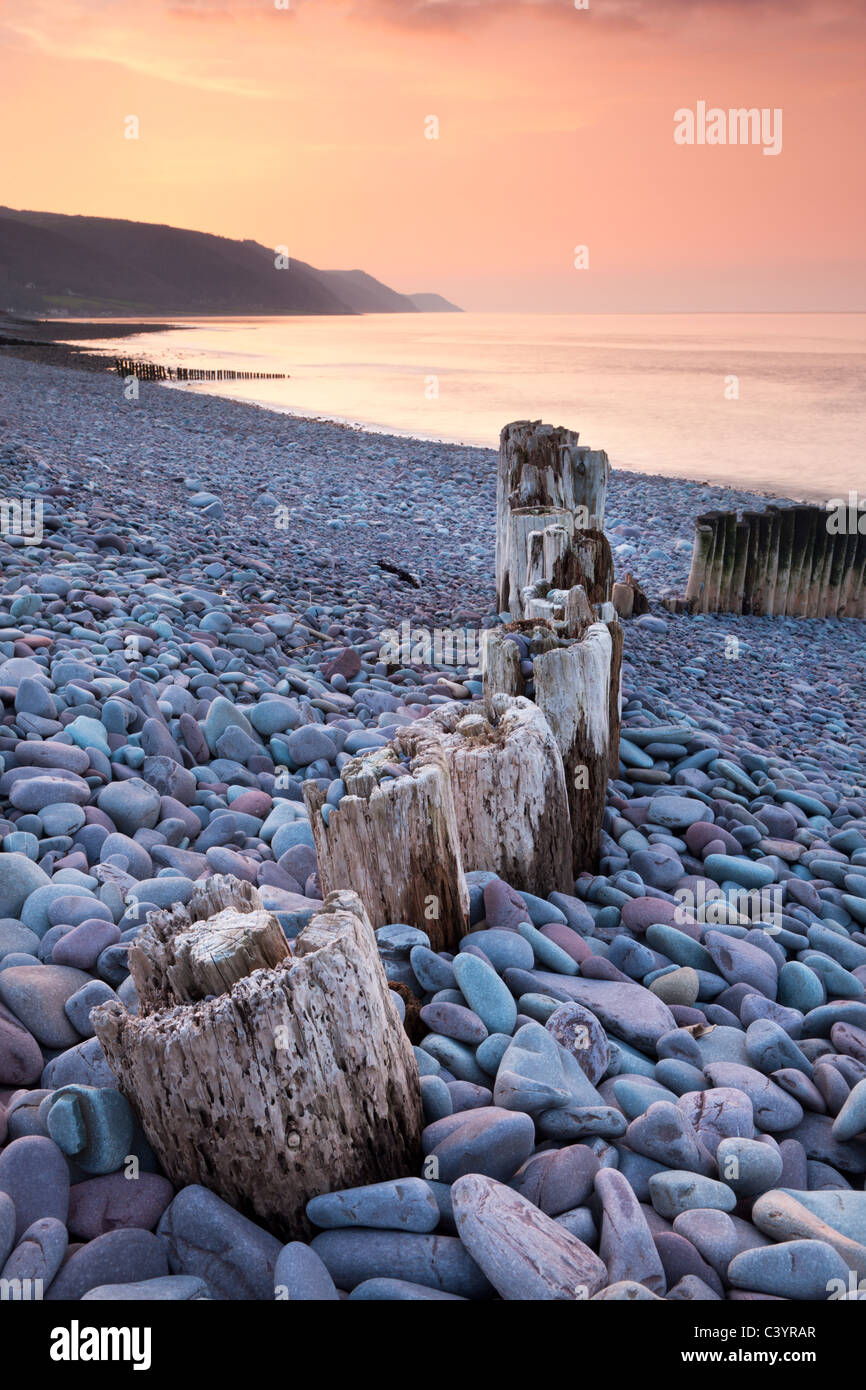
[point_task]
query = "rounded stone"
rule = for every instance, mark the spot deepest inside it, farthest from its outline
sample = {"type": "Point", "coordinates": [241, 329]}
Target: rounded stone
{"type": "Point", "coordinates": [35, 1175]}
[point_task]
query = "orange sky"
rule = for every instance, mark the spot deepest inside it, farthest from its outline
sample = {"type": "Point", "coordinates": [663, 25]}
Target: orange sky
{"type": "Point", "coordinates": [306, 127]}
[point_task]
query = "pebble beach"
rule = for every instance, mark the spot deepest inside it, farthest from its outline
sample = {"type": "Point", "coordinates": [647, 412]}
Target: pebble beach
{"type": "Point", "coordinates": [658, 1079]}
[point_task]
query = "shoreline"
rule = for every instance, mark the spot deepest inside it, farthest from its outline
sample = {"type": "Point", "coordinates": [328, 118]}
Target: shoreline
{"type": "Point", "coordinates": [58, 352]}
{"type": "Point", "coordinates": [353, 497]}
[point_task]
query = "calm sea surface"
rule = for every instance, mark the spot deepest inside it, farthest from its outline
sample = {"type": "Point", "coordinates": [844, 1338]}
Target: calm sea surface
{"type": "Point", "coordinates": [775, 402]}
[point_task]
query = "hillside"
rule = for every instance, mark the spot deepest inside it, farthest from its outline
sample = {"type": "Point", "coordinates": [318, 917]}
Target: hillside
{"type": "Point", "coordinates": [51, 263]}
{"type": "Point", "coordinates": [433, 304]}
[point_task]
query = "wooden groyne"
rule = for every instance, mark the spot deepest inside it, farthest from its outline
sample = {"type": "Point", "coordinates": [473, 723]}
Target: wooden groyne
{"type": "Point", "coordinates": [464, 791]}
{"type": "Point", "coordinates": [795, 562]}
{"type": "Point", "coordinates": [303, 1042]}
{"type": "Point", "coordinates": [154, 371]}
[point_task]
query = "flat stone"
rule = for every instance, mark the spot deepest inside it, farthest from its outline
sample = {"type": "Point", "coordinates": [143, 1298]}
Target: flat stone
{"type": "Point", "coordinates": [851, 1119]}
{"type": "Point", "coordinates": [454, 1021]}
{"type": "Point", "coordinates": [712, 1233]}
{"type": "Point", "coordinates": [34, 1174]}
{"type": "Point", "coordinates": [438, 1262]}
{"type": "Point", "coordinates": [537, 1074]}
{"type": "Point", "coordinates": [557, 1180]}
{"type": "Point", "coordinates": [626, 1291]}
{"type": "Point", "coordinates": [91, 1124]}
{"type": "Point", "coordinates": [749, 1166]}
{"type": "Point", "coordinates": [490, 1140]}
{"type": "Point", "coordinates": [19, 877]}
{"type": "Point", "coordinates": [208, 1238]}
{"type": "Point", "coordinates": [626, 1245]}
{"type": "Point", "coordinates": [404, 1204]}
{"type": "Point", "coordinates": [131, 805]}
{"type": "Point", "coordinates": [120, 1257]}
{"type": "Point", "coordinates": [113, 1202]}
{"type": "Point", "coordinates": [628, 1011]}
{"type": "Point", "coordinates": [844, 1210]}
{"type": "Point", "coordinates": [739, 961]}
{"type": "Point", "coordinates": [485, 993]}
{"type": "Point", "coordinates": [525, 1254]}
{"type": "Point", "coordinates": [664, 1133]}
{"type": "Point", "coordinates": [673, 1193]}
{"type": "Point", "coordinates": [807, 1270]}
{"type": "Point", "coordinates": [39, 1253]}
{"type": "Point", "coordinates": [815, 1133]}
{"type": "Point", "coordinates": [774, 1109]}
{"type": "Point", "coordinates": [20, 1055]}
{"type": "Point", "coordinates": [677, 812]}
{"type": "Point", "coordinates": [400, 1291]}
{"type": "Point", "coordinates": [783, 1216]}
{"type": "Point", "coordinates": [170, 1288]}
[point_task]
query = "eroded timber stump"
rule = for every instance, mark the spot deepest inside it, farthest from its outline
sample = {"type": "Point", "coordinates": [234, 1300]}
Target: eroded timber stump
{"type": "Point", "coordinates": [292, 1080]}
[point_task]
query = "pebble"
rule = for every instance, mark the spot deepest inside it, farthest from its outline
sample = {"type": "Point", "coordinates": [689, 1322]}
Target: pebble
{"type": "Point", "coordinates": [35, 1175]}
{"type": "Point", "coordinates": [112, 1202]}
{"type": "Point", "coordinates": [207, 1238]}
{"type": "Point", "coordinates": [301, 1276]}
{"type": "Point", "coordinates": [626, 1245]}
{"type": "Point", "coordinates": [523, 1252]}
{"type": "Point", "coordinates": [168, 1288]}
{"type": "Point", "coordinates": [491, 1140]}
{"type": "Point", "coordinates": [443, 1263]}
{"type": "Point", "coordinates": [119, 1257]}
{"type": "Point", "coordinates": [406, 1204]}
{"type": "Point", "coordinates": [799, 1269]}
{"type": "Point", "coordinates": [673, 1193]}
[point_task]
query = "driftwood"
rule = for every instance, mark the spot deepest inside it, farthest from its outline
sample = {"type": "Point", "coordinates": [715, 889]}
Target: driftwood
{"type": "Point", "coordinates": [781, 562]}
{"type": "Point", "coordinates": [395, 842]}
{"type": "Point", "coordinates": [508, 785]}
{"type": "Point", "coordinates": [293, 1080]}
{"type": "Point", "coordinates": [544, 468]}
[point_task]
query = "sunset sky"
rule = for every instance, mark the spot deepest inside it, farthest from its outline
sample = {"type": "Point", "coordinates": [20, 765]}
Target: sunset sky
{"type": "Point", "coordinates": [306, 127]}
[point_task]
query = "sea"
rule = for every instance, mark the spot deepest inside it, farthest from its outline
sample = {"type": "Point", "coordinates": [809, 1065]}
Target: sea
{"type": "Point", "coordinates": [772, 403]}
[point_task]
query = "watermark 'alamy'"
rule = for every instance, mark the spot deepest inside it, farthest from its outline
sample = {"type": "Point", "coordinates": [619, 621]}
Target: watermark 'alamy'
{"type": "Point", "coordinates": [762, 906]}
{"type": "Point", "coordinates": [737, 126]}
{"type": "Point", "coordinates": [418, 646]}
{"type": "Point", "coordinates": [846, 518]}
{"type": "Point", "coordinates": [77, 1343]}
{"type": "Point", "coordinates": [22, 517]}
{"type": "Point", "coordinates": [21, 1290]}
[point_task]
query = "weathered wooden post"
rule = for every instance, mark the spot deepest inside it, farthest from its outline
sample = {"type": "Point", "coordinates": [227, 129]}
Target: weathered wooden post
{"type": "Point", "coordinates": [393, 839]}
{"type": "Point", "coordinates": [617, 639]}
{"type": "Point", "coordinates": [508, 784]}
{"type": "Point", "coordinates": [266, 1081]}
{"type": "Point", "coordinates": [588, 561]}
{"type": "Point", "coordinates": [738, 573]}
{"type": "Point", "coordinates": [500, 664]}
{"type": "Point", "coordinates": [727, 560]}
{"type": "Point", "coordinates": [572, 688]}
{"type": "Point", "coordinates": [520, 548]}
{"type": "Point", "coordinates": [702, 554]}
{"type": "Point", "coordinates": [544, 467]}
{"type": "Point", "coordinates": [782, 593]}
{"type": "Point", "coordinates": [855, 601]}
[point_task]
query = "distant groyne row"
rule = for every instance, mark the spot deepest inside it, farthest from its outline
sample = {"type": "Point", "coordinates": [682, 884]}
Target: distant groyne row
{"type": "Point", "coordinates": [154, 371]}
